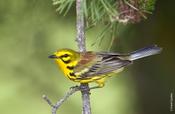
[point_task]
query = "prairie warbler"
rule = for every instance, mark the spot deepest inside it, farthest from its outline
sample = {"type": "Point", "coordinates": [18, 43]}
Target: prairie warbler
{"type": "Point", "coordinates": [86, 67]}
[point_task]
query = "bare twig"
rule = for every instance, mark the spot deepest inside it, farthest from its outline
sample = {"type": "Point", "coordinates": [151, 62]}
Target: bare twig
{"type": "Point", "coordinates": [48, 100]}
{"type": "Point", "coordinates": [80, 26]}
{"type": "Point", "coordinates": [56, 106]}
{"type": "Point", "coordinates": [84, 88]}
{"type": "Point", "coordinates": [85, 98]}
{"type": "Point", "coordinates": [82, 47]}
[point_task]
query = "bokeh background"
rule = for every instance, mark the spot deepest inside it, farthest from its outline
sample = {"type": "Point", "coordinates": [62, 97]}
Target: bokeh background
{"type": "Point", "coordinates": [32, 30]}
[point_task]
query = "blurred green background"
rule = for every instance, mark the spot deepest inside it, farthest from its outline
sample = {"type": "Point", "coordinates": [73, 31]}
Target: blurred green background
{"type": "Point", "coordinates": [32, 30]}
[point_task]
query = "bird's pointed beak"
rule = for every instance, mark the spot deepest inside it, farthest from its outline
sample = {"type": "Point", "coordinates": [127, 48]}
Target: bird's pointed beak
{"type": "Point", "coordinates": [53, 56]}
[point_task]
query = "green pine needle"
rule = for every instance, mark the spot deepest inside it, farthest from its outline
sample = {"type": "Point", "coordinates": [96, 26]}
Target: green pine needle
{"type": "Point", "coordinates": [106, 11]}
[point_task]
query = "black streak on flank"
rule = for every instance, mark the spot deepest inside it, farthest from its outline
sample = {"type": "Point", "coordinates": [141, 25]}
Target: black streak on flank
{"type": "Point", "coordinates": [71, 74]}
{"type": "Point", "coordinates": [70, 67]}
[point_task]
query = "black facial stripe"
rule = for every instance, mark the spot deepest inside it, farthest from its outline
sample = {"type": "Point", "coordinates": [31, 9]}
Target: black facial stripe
{"type": "Point", "coordinates": [71, 74]}
{"type": "Point", "coordinates": [66, 62]}
{"type": "Point", "coordinates": [70, 67]}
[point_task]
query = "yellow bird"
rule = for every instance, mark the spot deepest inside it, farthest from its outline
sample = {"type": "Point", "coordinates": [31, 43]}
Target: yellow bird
{"type": "Point", "coordinates": [86, 67]}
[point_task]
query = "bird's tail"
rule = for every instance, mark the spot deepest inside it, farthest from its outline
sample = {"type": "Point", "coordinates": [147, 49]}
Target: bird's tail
{"type": "Point", "coordinates": [144, 52]}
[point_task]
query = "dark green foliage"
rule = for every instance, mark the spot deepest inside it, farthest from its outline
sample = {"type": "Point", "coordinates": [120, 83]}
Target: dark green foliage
{"type": "Point", "coordinates": [147, 5]}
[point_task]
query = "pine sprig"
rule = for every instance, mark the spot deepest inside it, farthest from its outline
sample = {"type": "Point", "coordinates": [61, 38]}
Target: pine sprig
{"type": "Point", "coordinates": [64, 5]}
{"type": "Point", "coordinates": [109, 12]}
{"type": "Point", "coordinates": [97, 11]}
{"type": "Point", "coordinates": [147, 6]}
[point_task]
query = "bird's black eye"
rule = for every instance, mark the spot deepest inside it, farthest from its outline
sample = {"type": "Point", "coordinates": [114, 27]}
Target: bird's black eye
{"type": "Point", "coordinates": [65, 55]}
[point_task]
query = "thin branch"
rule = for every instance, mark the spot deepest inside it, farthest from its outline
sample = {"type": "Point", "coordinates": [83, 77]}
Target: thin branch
{"type": "Point", "coordinates": [82, 48]}
{"type": "Point", "coordinates": [80, 26]}
{"type": "Point", "coordinates": [84, 88]}
{"type": "Point", "coordinates": [56, 106]}
{"type": "Point", "coordinates": [49, 102]}
{"type": "Point", "coordinates": [85, 92]}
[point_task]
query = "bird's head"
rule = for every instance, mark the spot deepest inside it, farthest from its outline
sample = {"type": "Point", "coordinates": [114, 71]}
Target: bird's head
{"type": "Point", "coordinates": [65, 55]}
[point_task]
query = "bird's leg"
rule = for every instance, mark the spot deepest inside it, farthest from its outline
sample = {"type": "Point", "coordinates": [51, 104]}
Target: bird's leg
{"type": "Point", "coordinates": [100, 85]}
{"type": "Point", "coordinates": [100, 82]}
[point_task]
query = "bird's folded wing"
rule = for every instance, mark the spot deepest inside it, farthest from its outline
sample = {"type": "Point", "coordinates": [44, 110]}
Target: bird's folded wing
{"type": "Point", "coordinates": [101, 64]}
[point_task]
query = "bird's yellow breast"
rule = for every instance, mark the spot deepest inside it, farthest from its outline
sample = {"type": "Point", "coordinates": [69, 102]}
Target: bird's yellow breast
{"type": "Point", "coordinates": [65, 68]}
